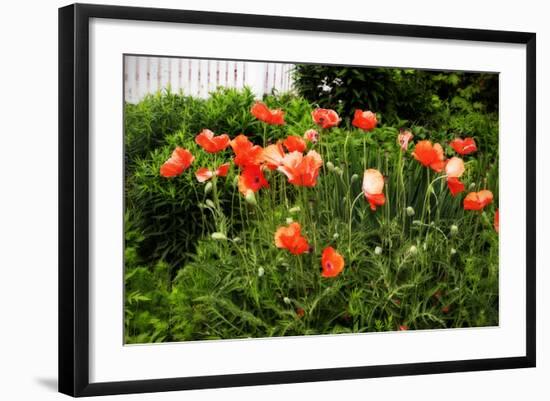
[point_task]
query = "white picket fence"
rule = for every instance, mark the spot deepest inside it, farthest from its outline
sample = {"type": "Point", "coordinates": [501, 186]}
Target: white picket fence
{"type": "Point", "coordinates": [198, 77]}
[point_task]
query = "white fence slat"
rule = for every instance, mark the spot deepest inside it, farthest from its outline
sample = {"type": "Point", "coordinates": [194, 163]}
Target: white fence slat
{"type": "Point", "coordinates": [198, 77]}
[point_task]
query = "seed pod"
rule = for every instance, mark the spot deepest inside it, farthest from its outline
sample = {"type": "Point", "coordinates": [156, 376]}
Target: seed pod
{"type": "Point", "coordinates": [410, 211]}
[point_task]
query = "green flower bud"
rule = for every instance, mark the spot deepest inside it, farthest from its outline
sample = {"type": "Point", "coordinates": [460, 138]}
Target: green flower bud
{"type": "Point", "coordinates": [210, 203]}
{"type": "Point", "coordinates": [207, 188]}
{"type": "Point", "coordinates": [354, 178]}
{"type": "Point", "coordinates": [472, 186]}
{"type": "Point", "coordinates": [286, 300]}
{"type": "Point", "coordinates": [453, 251]}
{"type": "Point", "coordinates": [236, 181]}
{"type": "Point", "coordinates": [250, 198]}
{"type": "Point", "coordinates": [454, 229]}
{"type": "Point", "coordinates": [413, 250]}
{"type": "Point", "coordinates": [261, 271]}
{"type": "Point", "coordinates": [410, 211]}
{"type": "Point", "coordinates": [289, 220]}
{"type": "Point", "coordinates": [336, 236]}
{"type": "Point", "coordinates": [295, 209]}
{"type": "Point", "coordinates": [338, 171]}
{"type": "Point", "coordinates": [218, 236]}
{"type": "Point", "coordinates": [330, 166]}
{"type": "Point", "coordinates": [237, 240]}
{"type": "Point", "coordinates": [417, 222]}
{"type": "Point", "coordinates": [378, 250]}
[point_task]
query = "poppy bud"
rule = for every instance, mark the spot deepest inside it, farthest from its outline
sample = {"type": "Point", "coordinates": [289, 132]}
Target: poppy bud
{"type": "Point", "coordinates": [330, 166]}
{"type": "Point", "coordinates": [453, 251]}
{"type": "Point", "coordinates": [425, 246]}
{"type": "Point", "coordinates": [417, 222]}
{"type": "Point", "coordinates": [286, 300]}
{"type": "Point", "coordinates": [218, 236]}
{"type": "Point", "coordinates": [410, 211]}
{"type": "Point", "coordinates": [338, 171]}
{"type": "Point", "coordinates": [250, 198]}
{"type": "Point", "coordinates": [289, 220]}
{"type": "Point", "coordinates": [261, 271]}
{"type": "Point", "coordinates": [413, 250]}
{"type": "Point", "coordinates": [237, 240]}
{"type": "Point", "coordinates": [378, 250]}
{"type": "Point", "coordinates": [454, 229]}
{"type": "Point", "coordinates": [354, 178]}
{"type": "Point", "coordinates": [472, 185]}
{"type": "Point", "coordinates": [210, 203]}
{"type": "Point", "coordinates": [336, 235]}
{"type": "Point", "coordinates": [207, 188]}
{"type": "Point", "coordinates": [295, 209]}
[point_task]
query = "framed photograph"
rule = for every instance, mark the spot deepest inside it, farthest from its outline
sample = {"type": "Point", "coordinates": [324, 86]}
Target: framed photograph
{"type": "Point", "coordinates": [251, 199]}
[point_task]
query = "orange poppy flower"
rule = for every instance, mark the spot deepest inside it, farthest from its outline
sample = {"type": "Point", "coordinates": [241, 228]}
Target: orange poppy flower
{"type": "Point", "coordinates": [373, 185]}
{"type": "Point", "coordinates": [211, 143]}
{"type": "Point", "coordinates": [301, 170]}
{"type": "Point", "coordinates": [366, 120]}
{"type": "Point", "coordinates": [325, 118]}
{"type": "Point", "coordinates": [246, 153]}
{"type": "Point", "coordinates": [497, 221]}
{"type": "Point", "coordinates": [265, 114]}
{"type": "Point", "coordinates": [290, 238]}
{"type": "Point", "coordinates": [430, 155]}
{"type": "Point", "coordinates": [203, 174]}
{"type": "Point", "coordinates": [311, 135]}
{"type": "Point", "coordinates": [252, 179]}
{"type": "Point", "coordinates": [478, 200]}
{"type": "Point", "coordinates": [464, 146]}
{"type": "Point", "coordinates": [273, 155]}
{"type": "Point", "coordinates": [454, 170]}
{"type": "Point", "coordinates": [180, 161]}
{"type": "Point", "coordinates": [295, 143]}
{"type": "Point", "coordinates": [332, 262]}
{"type": "Point", "coordinates": [403, 327]}
{"type": "Point", "coordinates": [404, 138]}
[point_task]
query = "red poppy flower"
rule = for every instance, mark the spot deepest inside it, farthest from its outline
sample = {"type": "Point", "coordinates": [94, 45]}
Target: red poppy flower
{"type": "Point", "coordinates": [445, 309]}
{"type": "Point", "coordinates": [295, 143]}
{"type": "Point", "coordinates": [203, 174]}
{"type": "Point", "coordinates": [252, 179]}
{"type": "Point", "coordinates": [430, 155]}
{"type": "Point", "coordinates": [325, 118]}
{"type": "Point", "coordinates": [403, 327]}
{"type": "Point", "coordinates": [497, 221]}
{"type": "Point", "coordinates": [290, 238]}
{"type": "Point", "coordinates": [301, 170]}
{"type": "Point", "coordinates": [311, 135]}
{"type": "Point", "coordinates": [478, 200]}
{"type": "Point", "coordinates": [464, 146]}
{"type": "Point", "coordinates": [373, 185]}
{"type": "Point", "coordinates": [404, 138]}
{"type": "Point", "coordinates": [332, 262]}
{"type": "Point", "coordinates": [366, 120]}
{"type": "Point", "coordinates": [273, 155]}
{"type": "Point", "coordinates": [454, 170]}
{"type": "Point", "coordinates": [180, 161]}
{"type": "Point", "coordinates": [300, 312]}
{"type": "Point", "coordinates": [246, 153]}
{"type": "Point", "coordinates": [211, 143]}
{"type": "Point", "coordinates": [265, 114]}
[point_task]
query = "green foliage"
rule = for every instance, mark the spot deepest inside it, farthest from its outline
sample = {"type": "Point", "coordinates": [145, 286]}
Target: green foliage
{"type": "Point", "coordinates": [181, 283]}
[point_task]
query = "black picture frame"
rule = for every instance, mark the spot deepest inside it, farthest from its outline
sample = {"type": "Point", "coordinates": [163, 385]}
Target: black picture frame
{"type": "Point", "coordinates": [74, 198]}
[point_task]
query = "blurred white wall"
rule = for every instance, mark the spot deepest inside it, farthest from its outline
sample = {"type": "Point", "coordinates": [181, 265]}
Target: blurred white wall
{"type": "Point", "coordinates": [197, 77]}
